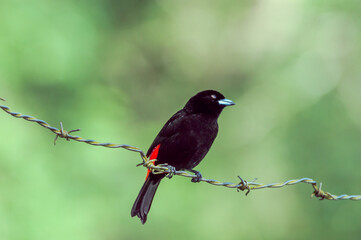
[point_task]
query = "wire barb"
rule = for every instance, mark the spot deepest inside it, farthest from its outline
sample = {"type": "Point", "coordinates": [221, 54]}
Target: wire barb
{"type": "Point", "coordinates": [321, 194]}
{"type": "Point", "coordinates": [171, 171]}
{"type": "Point", "coordinates": [64, 134]}
{"type": "Point", "coordinates": [244, 186]}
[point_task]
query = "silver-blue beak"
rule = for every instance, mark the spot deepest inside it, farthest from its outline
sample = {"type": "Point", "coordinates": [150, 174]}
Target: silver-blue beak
{"type": "Point", "coordinates": [226, 102]}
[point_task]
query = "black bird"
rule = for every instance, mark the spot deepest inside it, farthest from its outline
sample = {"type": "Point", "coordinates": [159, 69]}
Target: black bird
{"type": "Point", "coordinates": [182, 143]}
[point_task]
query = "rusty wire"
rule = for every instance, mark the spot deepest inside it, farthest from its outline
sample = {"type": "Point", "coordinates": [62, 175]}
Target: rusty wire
{"type": "Point", "coordinates": [169, 170]}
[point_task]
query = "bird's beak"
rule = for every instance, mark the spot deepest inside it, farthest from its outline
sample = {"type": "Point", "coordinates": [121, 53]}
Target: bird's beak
{"type": "Point", "coordinates": [226, 102]}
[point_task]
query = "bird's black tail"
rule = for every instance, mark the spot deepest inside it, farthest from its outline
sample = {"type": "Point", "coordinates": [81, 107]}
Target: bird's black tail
{"type": "Point", "coordinates": [144, 200]}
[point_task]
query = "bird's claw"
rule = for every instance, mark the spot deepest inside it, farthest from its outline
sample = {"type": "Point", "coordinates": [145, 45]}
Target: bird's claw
{"type": "Point", "coordinates": [171, 170]}
{"type": "Point", "coordinates": [197, 178]}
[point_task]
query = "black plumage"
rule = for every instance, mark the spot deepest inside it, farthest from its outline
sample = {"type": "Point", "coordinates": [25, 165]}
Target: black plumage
{"type": "Point", "coordinates": [183, 142]}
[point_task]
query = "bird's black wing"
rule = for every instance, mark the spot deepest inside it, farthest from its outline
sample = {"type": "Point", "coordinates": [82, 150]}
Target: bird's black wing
{"type": "Point", "coordinates": [169, 129]}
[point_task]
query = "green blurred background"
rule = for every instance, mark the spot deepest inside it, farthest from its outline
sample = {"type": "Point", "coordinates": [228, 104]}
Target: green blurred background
{"type": "Point", "coordinates": [119, 69]}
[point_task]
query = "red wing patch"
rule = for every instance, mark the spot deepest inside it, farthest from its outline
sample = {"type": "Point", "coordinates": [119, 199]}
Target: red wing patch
{"type": "Point", "coordinates": [153, 156]}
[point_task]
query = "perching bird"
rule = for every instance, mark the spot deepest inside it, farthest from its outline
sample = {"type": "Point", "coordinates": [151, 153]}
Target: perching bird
{"type": "Point", "coordinates": [182, 143]}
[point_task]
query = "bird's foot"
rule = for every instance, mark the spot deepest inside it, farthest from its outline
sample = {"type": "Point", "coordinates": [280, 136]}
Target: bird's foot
{"type": "Point", "coordinates": [198, 176]}
{"type": "Point", "coordinates": [171, 170]}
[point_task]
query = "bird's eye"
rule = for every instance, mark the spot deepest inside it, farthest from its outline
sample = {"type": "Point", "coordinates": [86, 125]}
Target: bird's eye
{"type": "Point", "coordinates": [213, 96]}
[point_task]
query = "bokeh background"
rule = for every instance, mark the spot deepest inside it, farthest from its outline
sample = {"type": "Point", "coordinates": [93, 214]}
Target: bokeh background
{"type": "Point", "coordinates": [119, 69]}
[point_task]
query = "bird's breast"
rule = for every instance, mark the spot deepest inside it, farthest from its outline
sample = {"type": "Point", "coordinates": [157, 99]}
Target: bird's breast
{"type": "Point", "coordinates": [192, 143]}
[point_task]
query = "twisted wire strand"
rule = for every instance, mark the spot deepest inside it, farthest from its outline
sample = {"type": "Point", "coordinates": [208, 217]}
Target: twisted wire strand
{"type": "Point", "coordinates": [64, 134]}
{"type": "Point", "coordinates": [169, 170]}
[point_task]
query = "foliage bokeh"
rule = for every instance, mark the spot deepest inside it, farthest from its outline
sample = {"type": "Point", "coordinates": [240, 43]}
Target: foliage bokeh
{"type": "Point", "coordinates": [120, 69]}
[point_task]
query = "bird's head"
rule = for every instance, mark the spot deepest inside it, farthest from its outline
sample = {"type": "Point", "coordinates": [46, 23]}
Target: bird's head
{"type": "Point", "coordinates": [209, 102]}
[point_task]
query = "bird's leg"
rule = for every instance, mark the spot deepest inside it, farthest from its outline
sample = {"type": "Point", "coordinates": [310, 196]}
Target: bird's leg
{"type": "Point", "coordinates": [198, 175]}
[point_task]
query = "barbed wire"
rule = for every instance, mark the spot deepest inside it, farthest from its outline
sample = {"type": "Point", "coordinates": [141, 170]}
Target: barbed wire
{"type": "Point", "coordinates": [170, 171]}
